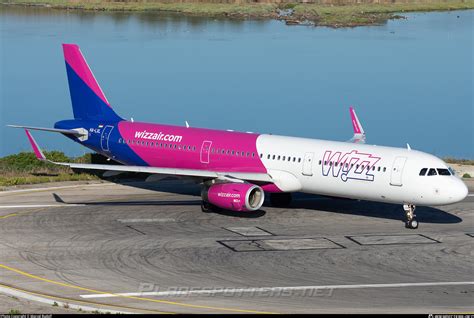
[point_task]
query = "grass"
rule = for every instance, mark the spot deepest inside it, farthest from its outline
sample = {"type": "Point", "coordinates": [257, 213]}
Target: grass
{"type": "Point", "coordinates": [339, 14]}
{"type": "Point", "coordinates": [202, 9]}
{"type": "Point", "coordinates": [24, 168]}
{"type": "Point", "coordinates": [364, 14]}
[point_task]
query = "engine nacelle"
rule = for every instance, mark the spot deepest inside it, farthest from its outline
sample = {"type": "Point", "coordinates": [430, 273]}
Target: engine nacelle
{"type": "Point", "coordinates": [234, 196]}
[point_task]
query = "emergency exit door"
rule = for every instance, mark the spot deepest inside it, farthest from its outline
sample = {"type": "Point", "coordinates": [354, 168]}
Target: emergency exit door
{"type": "Point", "coordinates": [397, 171]}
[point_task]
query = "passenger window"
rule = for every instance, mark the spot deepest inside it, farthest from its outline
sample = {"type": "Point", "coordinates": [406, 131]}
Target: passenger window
{"type": "Point", "coordinates": [432, 172]}
{"type": "Point", "coordinates": [299, 159]}
{"type": "Point", "coordinates": [294, 159]}
{"type": "Point", "coordinates": [284, 157]}
{"type": "Point", "coordinates": [378, 169]}
{"type": "Point", "coordinates": [273, 157]}
{"type": "Point", "coordinates": [289, 158]}
{"type": "Point", "coordinates": [443, 172]}
{"type": "Point", "coordinates": [357, 167]}
{"type": "Point", "coordinates": [373, 168]}
{"type": "Point", "coordinates": [384, 169]}
{"type": "Point", "coordinates": [253, 154]}
{"type": "Point", "coordinates": [278, 158]}
{"type": "Point", "coordinates": [268, 157]}
{"type": "Point", "coordinates": [423, 171]}
{"type": "Point", "coordinates": [261, 155]}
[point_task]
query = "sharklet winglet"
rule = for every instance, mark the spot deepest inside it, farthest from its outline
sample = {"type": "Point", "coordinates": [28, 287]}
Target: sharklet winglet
{"type": "Point", "coordinates": [36, 149]}
{"type": "Point", "coordinates": [359, 133]}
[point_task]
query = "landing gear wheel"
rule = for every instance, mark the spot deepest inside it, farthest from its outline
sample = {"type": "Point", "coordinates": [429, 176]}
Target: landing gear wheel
{"type": "Point", "coordinates": [280, 199]}
{"type": "Point", "coordinates": [206, 207]}
{"type": "Point", "coordinates": [412, 224]}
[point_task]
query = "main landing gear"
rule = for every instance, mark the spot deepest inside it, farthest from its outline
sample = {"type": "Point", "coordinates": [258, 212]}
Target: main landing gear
{"type": "Point", "coordinates": [411, 222]}
{"type": "Point", "coordinates": [207, 207]}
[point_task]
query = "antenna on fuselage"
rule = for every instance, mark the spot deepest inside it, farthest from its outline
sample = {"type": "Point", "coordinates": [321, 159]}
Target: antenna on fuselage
{"type": "Point", "coordinates": [187, 125]}
{"type": "Point", "coordinates": [131, 119]}
{"type": "Point", "coordinates": [408, 146]}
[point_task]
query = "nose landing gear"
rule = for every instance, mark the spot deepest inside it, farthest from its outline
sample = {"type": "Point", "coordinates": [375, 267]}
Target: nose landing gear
{"type": "Point", "coordinates": [411, 222]}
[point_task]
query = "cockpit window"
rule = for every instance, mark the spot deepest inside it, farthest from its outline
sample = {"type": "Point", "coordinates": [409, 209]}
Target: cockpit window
{"type": "Point", "coordinates": [432, 172]}
{"type": "Point", "coordinates": [423, 171]}
{"type": "Point", "coordinates": [452, 171]}
{"type": "Point", "coordinates": [443, 172]}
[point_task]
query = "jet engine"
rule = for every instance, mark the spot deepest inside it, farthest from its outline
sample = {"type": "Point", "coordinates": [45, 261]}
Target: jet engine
{"type": "Point", "coordinates": [234, 196]}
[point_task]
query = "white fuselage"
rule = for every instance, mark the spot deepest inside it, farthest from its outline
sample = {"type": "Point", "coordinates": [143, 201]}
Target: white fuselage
{"type": "Point", "coordinates": [358, 171]}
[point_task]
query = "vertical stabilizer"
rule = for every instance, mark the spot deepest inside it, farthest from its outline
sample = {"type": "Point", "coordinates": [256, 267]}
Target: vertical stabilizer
{"type": "Point", "coordinates": [88, 99]}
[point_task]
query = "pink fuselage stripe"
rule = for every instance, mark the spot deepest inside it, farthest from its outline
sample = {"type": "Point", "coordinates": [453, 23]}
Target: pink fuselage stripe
{"type": "Point", "coordinates": [271, 187]}
{"type": "Point", "coordinates": [212, 160]}
{"type": "Point", "coordinates": [76, 61]}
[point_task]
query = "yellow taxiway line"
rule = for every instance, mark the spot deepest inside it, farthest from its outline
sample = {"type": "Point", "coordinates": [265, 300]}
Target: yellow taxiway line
{"type": "Point", "coordinates": [73, 301]}
{"type": "Point", "coordinates": [20, 272]}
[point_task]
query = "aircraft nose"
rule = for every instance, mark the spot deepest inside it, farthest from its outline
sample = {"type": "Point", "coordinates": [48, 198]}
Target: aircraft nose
{"type": "Point", "coordinates": [459, 191]}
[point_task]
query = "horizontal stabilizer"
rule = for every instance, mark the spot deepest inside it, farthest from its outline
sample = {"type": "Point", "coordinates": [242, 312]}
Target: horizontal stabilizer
{"type": "Point", "coordinates": [78, 133]}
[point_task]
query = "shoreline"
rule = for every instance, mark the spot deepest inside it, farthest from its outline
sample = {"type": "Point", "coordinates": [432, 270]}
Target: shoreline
{"type": "Point", "coordinates": [334, 16]}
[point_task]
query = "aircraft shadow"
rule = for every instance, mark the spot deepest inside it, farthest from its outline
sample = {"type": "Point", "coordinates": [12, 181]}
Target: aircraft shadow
{"type": "Point", "coordinates": [300, 201]}
{"type": "Point", "coordinates": [371, 209]}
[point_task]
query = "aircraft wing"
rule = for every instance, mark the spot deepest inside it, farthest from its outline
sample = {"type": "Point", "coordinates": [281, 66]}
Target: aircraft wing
{"type": "Point", "coordinates": [359, 134]}
{"type": "Point", "coordinates": [260, 177]}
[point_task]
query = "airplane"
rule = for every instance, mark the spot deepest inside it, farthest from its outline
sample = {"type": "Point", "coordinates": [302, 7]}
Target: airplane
{"type": "Point", "coordinates": [237, 169]}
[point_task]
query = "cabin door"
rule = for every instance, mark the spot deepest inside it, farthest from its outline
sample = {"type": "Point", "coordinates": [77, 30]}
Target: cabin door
{"type": "Point", "coordinates": [397, 171]}
{"type": "Point", "coordinates": [308, 164]}
{"type": "Point", "coordinates": [205, 151]}
{"type": "Point", "coordinates": [104, 138]}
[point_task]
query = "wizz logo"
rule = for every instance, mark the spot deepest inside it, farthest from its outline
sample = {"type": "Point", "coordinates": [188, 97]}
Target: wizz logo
{"type": "Point", "coordinates": [351, 165]}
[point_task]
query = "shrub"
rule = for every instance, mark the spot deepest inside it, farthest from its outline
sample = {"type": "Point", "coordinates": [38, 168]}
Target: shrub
{"type": "Point", "coordinates": [466, 175]}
